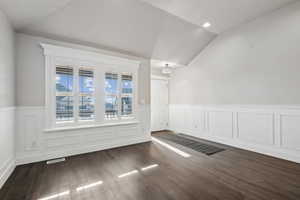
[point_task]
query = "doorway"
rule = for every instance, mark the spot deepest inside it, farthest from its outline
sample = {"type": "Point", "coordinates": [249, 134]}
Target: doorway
{"type": "Point", "coordinates": [159, 104]}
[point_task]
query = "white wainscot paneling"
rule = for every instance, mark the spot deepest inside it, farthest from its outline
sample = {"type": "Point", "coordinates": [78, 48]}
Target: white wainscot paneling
{"type": "Point", "coordinates": [34, 144]}
{"type": "Point", "coordinates": [197, 123]}
{"type": "Point", "coordinates": [220, 124]}
{"type": "Point", "coordinates": [127, 131]}
{"type": "Point", "coordinates": [272, 130]}
{"type": "Point", "coordinates": [177, 118]}
{"type": "Point", "coordinates": [30, 122]}
{"type": "Point", "coordinates": [290, 131]}
{"type": "Point", "coordinates": [256, 127]}
{"type": "Point", "coordinates": [184, 117]}
{"type": "Point", "coordinates": [7, 154]}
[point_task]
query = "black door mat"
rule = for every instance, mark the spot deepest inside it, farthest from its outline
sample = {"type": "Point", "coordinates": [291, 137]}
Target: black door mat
{"type": "Point", "coordinates": [193, 144]}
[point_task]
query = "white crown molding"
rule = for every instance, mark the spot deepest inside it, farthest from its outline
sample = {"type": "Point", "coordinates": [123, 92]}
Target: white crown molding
{"type": "Point", "coordinates": [60, 51]}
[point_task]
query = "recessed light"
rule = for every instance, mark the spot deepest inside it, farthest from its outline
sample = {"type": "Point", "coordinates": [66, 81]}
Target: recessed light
{"type": "Point", "coordinates": [206, 25]}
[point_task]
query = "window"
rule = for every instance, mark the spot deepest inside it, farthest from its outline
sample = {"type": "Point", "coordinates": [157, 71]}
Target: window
{"type": "Point", "coordinates": [126, 95]}
{"type": "Point", "coordinates": [86, 95]}
{"type": "Point", "coordinates": [64, 94]}
{"type": "Point", "coordinates": [87, 88]}
{"type": "Point", "coordinates": [118, 101]}
{"type": "Point", "coordinates": [111, 95]}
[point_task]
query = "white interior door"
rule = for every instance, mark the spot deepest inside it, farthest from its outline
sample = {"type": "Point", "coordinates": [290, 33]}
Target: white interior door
{"type": "Point", "coordinates": [159, 105]}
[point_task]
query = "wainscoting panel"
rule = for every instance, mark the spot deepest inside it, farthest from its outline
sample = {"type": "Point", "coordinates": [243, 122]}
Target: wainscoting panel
{"type": "Point", "coordinates": [186, 118]}
{"type": "Point", "coordinates": [220, 124]}
{"type": "Point", "coordinates": [257, 128]}
{"type": "Point", "coordinates": [7, 129]}
{"type": "Point", "coordinates": [175, 116]}
{"type": "Point", "coordinates": [35, 144]}
{"type": "Point", "coordinates": [271, 130]}
{"type": "Point", "coordinates": [290, 131]}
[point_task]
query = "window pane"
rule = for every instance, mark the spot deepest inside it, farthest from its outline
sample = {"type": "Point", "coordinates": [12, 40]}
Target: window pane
{"type": "Point", "coordinates": [111, 83]}
{"type": "Point", "coordinates": [111, 107]}
{"type": "Point", "coordinates": [111, 95]}
{"type": "Point", "coordinates": [64, 79]}
{"type": "Point", "coordinates": [64, 108]}
{"type": "Point", "coordinates": [86, 98]}
{"type": "Point", "coordinates": [126, 105]}
{"type": "Point", "coordinates": [86, 108]}
{"type": "Point", "coordinates": [127, 84]}
{"type": "Point", "coordinates": [86, 81]}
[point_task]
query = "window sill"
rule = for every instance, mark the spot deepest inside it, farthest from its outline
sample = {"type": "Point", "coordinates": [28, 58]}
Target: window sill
{"type": "Point", "coordinates": [90, 126]}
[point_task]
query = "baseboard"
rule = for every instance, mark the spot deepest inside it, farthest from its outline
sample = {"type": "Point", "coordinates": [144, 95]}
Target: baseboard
{"type": "Point", "coordinates": [6, 170]}
{"type": "Point", "coordinates": [38, 157]}
{"type": "Point", "coordinates": [268, 129]}
{"type": "Point", "coordinates": [266, 150]}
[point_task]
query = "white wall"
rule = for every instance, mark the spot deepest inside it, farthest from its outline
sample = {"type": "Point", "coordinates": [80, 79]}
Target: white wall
{"type": "Point", "coordinates": [30, 73]}
{"type": "Point", "coordinates": [159, 104]}
{"type": "Point", "coordinates": [34, 143]}
{"type": "Point", "coordinates": [7, 100]}
{"type": "Point", "coordinates": [243, 89]}
{"type": "Point", "coordinates": [257, 63]}
{"type": "Point", "coordinates": [157, 72]}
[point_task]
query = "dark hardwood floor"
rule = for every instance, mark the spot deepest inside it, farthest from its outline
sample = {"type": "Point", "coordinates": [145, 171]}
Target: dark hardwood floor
{"type": "Point", "coordinates": [122, 174]}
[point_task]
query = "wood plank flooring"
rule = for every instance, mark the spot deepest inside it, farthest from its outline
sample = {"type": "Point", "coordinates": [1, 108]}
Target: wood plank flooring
{"type": "Point", "coordinates": [150, 171]}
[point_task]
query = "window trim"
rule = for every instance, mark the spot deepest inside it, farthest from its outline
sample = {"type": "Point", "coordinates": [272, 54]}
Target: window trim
{"type": "Point", "coordinates": [100, 64]}
{"type": "Point", "coordinates": [117, 95]}
{"type": "Point", "coordinates": [127, 95]}
{"type": "Point", "coordinates": [69, 94]}
{"type": "Point", "coordinates": [87, 68]}
{"type": "Point", "coordinates": [120, 94]}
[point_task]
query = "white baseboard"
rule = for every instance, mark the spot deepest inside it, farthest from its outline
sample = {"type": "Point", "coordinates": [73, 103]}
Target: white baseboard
{"type": "Point", "coordinates": [270, 151]}
{"type": "Point", "coordinates": [6, 170]}
{"type": "Point", "coordinates": [7, 161]}
{"type": "Point", "coordinates": [38, 157]}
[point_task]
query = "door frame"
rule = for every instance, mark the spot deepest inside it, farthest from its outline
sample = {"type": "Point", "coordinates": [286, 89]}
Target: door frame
{"type": "Point", "coordinates": [161, 78]}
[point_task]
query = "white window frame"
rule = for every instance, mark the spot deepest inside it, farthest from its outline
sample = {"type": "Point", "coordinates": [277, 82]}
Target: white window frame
{"type": "Point", "coordinates": [119, 95]}
{"type": "Point", "coordinates": [126, 95]}
{"type": "Point", "coordinates": [100, 64]}
{"type": "Point", "coordinates": [117, 118]}
{"type": "Point", "coordinates": [87, 68]}
{"type": "Point", "coordinates": [72, 94]}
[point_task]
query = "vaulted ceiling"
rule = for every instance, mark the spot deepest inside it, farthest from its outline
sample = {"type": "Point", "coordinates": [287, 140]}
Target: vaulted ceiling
{"type": "Point", "coordinates": [222, 14]}
{"type": "Point", "coordinates": [159, 29]}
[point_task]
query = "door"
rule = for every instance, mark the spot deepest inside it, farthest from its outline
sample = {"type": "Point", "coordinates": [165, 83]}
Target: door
{"type": "Point", "coordinates": [159, 104]}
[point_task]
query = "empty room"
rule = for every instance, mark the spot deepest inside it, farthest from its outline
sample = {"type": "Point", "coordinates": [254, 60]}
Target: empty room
{"type": "Point", "coordinates": [150, 100]}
